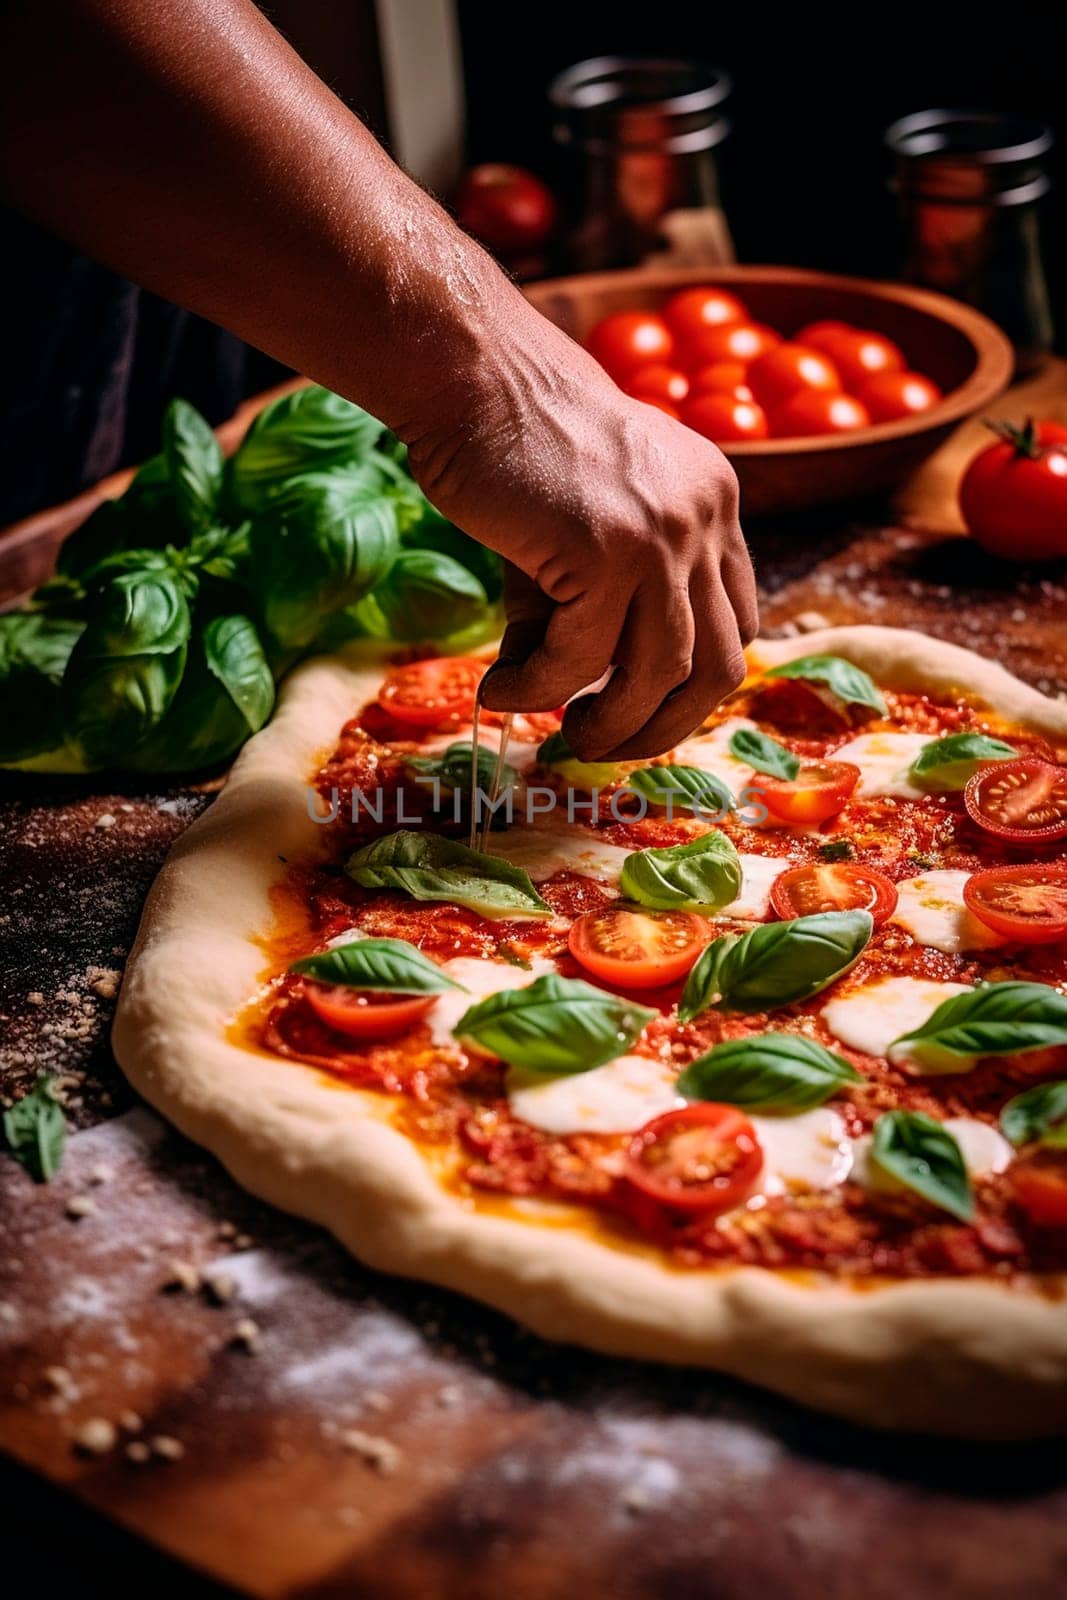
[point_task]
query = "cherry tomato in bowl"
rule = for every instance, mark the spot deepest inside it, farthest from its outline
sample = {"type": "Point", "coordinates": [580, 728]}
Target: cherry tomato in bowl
{"type": "Point", "coordinates": [1026, 904]}
{"type": "Point", "coordinates": [506, 207]}
{"type": "Point", "coordinates": [1014, 493]}
{"type": "Point", "coordinates": [1023, 801]}
{"type": "Point", "coordinates": [658, 382]}
{"type": "Point", "coordinates": [889, 396]}
{"type": "Point", "coordinates": [721, 377]}
{"type": "Point", "coordinates": [724, 418]}
{"type": "Point", "coordinates": [811, 411]}
{"type": "Point", "coordinates": [703, 1158]}
{"type": "Point", "coordinates": [637, 949]}
{"type": "Point", "coordinates": [787, 370]}
{"type": "Point", "coordinates": [819, 791]}
{"type": "Point", "coordinates": [690, 312]}
{"type": "Point", "coordinates": [425, 694]}
{"type": "Point", "coordinates": [628, 340]}
{"type": "Point", "coordinates": [361, 1014]}
{"type": "Point", "coordinates": [731, 341]}
{"type": "Point", "coordinates": [857, 354]}
{"type": "Point", "coordinates": [833, 886]}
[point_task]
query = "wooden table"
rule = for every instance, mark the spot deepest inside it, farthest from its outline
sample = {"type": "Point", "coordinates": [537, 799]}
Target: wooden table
{"type": "Point", "coordinates": [483, 1461]}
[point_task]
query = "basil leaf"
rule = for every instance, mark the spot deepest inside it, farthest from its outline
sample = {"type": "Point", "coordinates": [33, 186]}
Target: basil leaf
{"type": "Point", "coordinates": [385, 966]}
{"type": "Point", "coordinates": [141, 612]}
{"type": "Point", "coordinates": [837, 850]}
{"type": "Point", "coordinates": [846, 682]}
{"type": "Point", "coordinates": [319, 552]}
{"type": "Point", "coordinates": [423, 596]}
{"type": "Point", "coordinates": [914, 1150]}
{"type": "Point", "coordinates": [423, 527]}
{"type": "Point", "coordinates": [995, 1019]}
{"type": "Point", "coordinates": [235, 657]}
{"type": "Point", "coordinates": [453, 767]}
{"type": "Point", "coordinates": [308, 430]}
{"type": "Point", "coordinates": [556, 753]}
{"type": "Point", "coordinates": [1038, 1113]}
{"type": "Point", "coordinates": [701, 875]}
{"type": "Point", "coordinates": [775, 963]}
{"type": "Point", "coordinates": [226, 693]}
{"type": "Point", "coordinates": [945, 765]}
{"type": "Point", "coordinates": [34, 651]}
{"type": "Point", "coordinates": [697, 790]}
{"type": "Point", "coordinates": [35, 1131]}
{"type": "Point", "coordinates": [429, 867]}
{"type": "Point", "coordinates": [554, 1025]}
{"type": "Point", "coordinates": [195, 465]}
{"type": "Point", "coordinates": [764, 753]}
{"type": "Point", "coordinates": [773, 1072]}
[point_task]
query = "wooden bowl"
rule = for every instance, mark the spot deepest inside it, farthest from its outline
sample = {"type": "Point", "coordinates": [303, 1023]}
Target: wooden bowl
{"type": "Point", "coordinates": [965, 354]}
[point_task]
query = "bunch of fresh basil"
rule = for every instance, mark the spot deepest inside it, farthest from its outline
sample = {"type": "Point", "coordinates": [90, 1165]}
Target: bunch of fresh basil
{"type": "Point", "coordinates": [175, 609]}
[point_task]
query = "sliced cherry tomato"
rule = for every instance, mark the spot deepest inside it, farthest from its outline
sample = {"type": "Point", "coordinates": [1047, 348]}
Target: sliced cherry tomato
{"type": "Point", "coordinates": [363, 1015]}
{"type": "Point", "coordinates": [856, 353]}
{"type": "Point", "coordinates": [1024, 801]}
{"type": "Point", "coordinates": [721, 377]}
{"type": "Point", "coordinates": [732, 341]}
{"type": "Point", "coordinates": [819, 790]}
{"type": "Point", "coordinates": [810, 411]}
{"type": "Point", "coordinates": [427, 693]}
{"type": "Point", "coordinates": [690, 312]}
{"type": "Point", "coordinates": [1027, 905]}
{"type": "Point", "coordinates": [723, 417]}
{"type": "Point", "coordinates": [628, 340]}
{"type": "Point", "coordinates": [705, 1157]}
{"type": "Point", "coordinates": [658, 382]}
{"type": "Point", "coordinates": [1039, 1181]}
{"type": "Point", "coordinates": [889, 395]}
{"type": "Point", "coordinates": [787, 370]}
{"type": "Point", "coordinates": [637, 949]}
{"type": "Point", "coordinates": [833, 886]}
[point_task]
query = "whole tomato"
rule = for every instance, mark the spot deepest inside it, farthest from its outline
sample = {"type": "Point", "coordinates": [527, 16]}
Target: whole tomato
{"type": "Point", "coordinates": [891, 395]}
{"type": "Point", "coordinates": [691, 311]}
{"type": "Point", "coordinates": [723, 417]}
{"type": "Point", "coordinates": [1014, 493]}
{"type": "Point", "coordinates": [856, 353]}
{"type": "Point", "coordinates": [627, 340]}
{"type": "Point", "coordinates": [506, 207]}
{"type": "Point", "coordinates": [787, 370]}
{"type": "Point", "coordinates": [729, 341]}
{"type": "Point", "coordinates": [814, 411]}
{"type": "Point", "coordinates": [721, 377]}
{"type": "Point", "coordinates": [658, 382]}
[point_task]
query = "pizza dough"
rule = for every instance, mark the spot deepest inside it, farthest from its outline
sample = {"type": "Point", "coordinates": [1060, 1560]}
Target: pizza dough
{"type": "Point", "coordinates": [976, 1358]}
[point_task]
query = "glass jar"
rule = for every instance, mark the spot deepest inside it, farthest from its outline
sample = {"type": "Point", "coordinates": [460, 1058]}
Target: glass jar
{"type": "Point", "coordinates": [968, 187]}
{"type": "Point", "coordinates": [639, 176]}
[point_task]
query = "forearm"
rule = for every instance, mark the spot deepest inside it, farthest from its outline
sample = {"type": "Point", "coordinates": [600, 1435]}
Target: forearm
{"type": "Point", "coordinates": [186, 145]}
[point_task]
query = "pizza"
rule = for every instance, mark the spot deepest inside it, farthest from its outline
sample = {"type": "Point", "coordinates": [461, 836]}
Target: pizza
{"type": "Point", "coordinates": [753, 1057]}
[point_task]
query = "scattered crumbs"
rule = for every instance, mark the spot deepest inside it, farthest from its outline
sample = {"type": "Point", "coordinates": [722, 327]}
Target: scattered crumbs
{"type": "Point", "coordinates": [220, 1288]}
{"type": "Point", "coordinates": [246, 1335]}
{"type": "Point", "coordinates": [95, 1437]}
{"type": "Point", "coordinates": [379, 1453]}
{"type": "Point", "coordinates": [36, 998]}
{"type": "Point", "coordinates": [80, 1205]}
{"type": "Point", "coordinates": [130, 1422]}
{"type": "Point", "coordinates": [104, 981]}
{"type": "Point", "coordinates": [106, 819]}
{"type": "Point", "coordinates": [138, 1452]}
{"type": "Point", "coordinates": [166, 1448]}
{"type": "Point", "coordinates": [182, 1277]}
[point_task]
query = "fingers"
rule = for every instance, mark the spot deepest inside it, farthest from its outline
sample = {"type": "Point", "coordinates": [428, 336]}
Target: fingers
{"type": "Point", "coordinates": [654, 656]}
{"type": "Point", "coordinates": [718, 667]}
{"type": "Point", "coordinates": [560, 649]}
{"type": "Point", "coordinates": [739, 581]}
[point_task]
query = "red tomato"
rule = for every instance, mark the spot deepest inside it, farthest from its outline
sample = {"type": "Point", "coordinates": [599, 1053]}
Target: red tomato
{"type": "Point", "coordinates": [705, 1157]}
{"type": "Point", "coordinates": [819, 790]}
{"type": "Point", "coordinates": [635, 949]}
{"type": "Point", "coordinates": [658, 382]}
{"type": "Point", "coordinates": [1024, 801]}
{"type": "Point", "coordinates": [628, 340]}
{"type": "Point", "coordinates": [690, 312]}
{"type": "Point", "coordinates": [1027, 905]}
{"type": "Point", "coordinates": [813, 332]}
{"type": "Point", "coordinates": [505, 207]}
{"type": "Point", "coordinates": [426, 693]}
{"type": "Point", "coordinates": [1039, 1181]}
{"type": "Point", "coordinates": [723, 417]}
{"type": "Point", "coordinates": [810, 411]}
{"type": "Point", "coordinates": [833, 886]}
{"type": "Point", "coordinates": [363, 1015]}
{"type": "Point", "coordinates": [721, 377]}
{"type": "Point", "coordinates": [731, 341]}
{"type": "Point", "coordinates": [857, 354]}
{"type": "Point", "coordinates": [788, 369]}
{"type": "Point", "coordinates": [1014, 494]}
{"type": "Point", "coordinates": [890, 395]}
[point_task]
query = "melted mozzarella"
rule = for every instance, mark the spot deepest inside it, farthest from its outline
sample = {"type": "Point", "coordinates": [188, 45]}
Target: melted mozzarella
{"type": "Point", "coordinates": [619, 1097]}
{"type": "Point", "coordinates": [871, 1017]}
{"type": "Point", "coordinates": [984, 1152]}
{"type": "Point", "coordinates": [544, 851]}
{"type": "Point", "coordinates": [757, 875]}
{"type": "Point", "coordinates": [480, 978]}
{"type": "Point", "coordinates": [711, 753]}
{"type": "Point", "coordinates": [931, 908]}
{"type": "Point", "coordinates": [883, 760]}
{"type": "Point", "coordinates": [518, 753]}
{"type": "Point", "coordinates": [808, 1151]}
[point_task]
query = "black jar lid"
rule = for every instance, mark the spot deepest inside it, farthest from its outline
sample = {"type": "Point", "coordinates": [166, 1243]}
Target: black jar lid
{"type": "Point", "coordinates": [971, 157]}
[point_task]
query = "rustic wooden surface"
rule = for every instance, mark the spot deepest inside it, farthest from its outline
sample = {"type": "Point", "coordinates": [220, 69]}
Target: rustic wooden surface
{"type": "Point", "coordinates": [508, 1466]}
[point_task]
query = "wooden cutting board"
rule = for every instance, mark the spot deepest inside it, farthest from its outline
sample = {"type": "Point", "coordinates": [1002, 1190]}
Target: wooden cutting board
{"type": "Point", "coordinates": [296, 1426]}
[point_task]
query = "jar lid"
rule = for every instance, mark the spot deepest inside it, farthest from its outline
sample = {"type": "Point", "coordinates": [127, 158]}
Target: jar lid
{"type": "Point", "coordinates": [640, 103]}
{"type": "Point", "coordinates": [971, 157]}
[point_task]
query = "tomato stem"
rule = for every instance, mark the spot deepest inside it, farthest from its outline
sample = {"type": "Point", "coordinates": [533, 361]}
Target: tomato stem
{"type": "Point", "coordinates": [1023, 440]}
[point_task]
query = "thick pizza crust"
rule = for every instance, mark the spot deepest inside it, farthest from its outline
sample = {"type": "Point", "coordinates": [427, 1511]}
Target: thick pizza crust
{"type": "Point", "coordinates": [981, 1359]}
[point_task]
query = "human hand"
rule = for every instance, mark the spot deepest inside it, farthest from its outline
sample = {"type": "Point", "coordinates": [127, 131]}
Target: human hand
{"type": "Point", "coordinates": [620, 530]}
